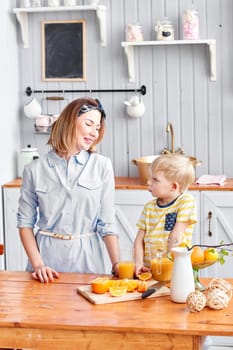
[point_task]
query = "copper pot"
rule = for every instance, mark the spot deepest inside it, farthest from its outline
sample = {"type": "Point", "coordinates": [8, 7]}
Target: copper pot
{"type": "Point", "coordinates": [143, 165]}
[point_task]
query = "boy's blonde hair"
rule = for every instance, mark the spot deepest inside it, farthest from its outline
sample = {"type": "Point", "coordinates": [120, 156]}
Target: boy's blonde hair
{"type": "Point", "coordinates": [176, 168]}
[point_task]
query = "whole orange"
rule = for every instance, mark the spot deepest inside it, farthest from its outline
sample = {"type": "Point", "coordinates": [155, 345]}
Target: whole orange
{"type": "Point", "coordinates": [197, 255]}
{"type": "Point", "coordinates": [211, 254]}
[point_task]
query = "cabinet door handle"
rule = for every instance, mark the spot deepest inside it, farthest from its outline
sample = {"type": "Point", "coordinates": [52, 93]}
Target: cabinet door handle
{"type": "Point", "coordinates": [209, 224]}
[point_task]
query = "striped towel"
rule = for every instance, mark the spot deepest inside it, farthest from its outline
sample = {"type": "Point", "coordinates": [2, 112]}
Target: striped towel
{"type": "Point", "coordinates": [211, 180]}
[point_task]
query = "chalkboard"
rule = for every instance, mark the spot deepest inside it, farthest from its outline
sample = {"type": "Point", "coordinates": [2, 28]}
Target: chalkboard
{"type": "Point", "coordinates": [63, 50]}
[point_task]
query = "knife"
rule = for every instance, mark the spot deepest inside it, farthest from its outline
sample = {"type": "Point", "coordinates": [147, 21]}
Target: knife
{"type": "Point", "coordinates": [153, 288]}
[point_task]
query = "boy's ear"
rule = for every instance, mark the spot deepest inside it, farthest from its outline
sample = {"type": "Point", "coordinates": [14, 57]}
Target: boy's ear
{"type": "Point", "coordinates": [175, 186]}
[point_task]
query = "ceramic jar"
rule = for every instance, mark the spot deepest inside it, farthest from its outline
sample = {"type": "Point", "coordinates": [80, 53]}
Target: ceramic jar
{"type": "Point", "coordinates": [25, 156]}
{"type": "Point", "coordinates": [182, 280]}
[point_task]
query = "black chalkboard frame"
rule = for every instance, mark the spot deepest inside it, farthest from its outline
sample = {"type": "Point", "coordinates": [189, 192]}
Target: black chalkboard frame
{"type": "Point", "coordinates": [64, 50]}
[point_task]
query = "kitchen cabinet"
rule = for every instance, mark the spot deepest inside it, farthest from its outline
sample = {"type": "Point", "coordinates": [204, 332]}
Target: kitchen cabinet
{"type": "Point", "coordinates": [129, 52]}
{"type": "Point", "coordinates": [129, 204]}
{"type": "Point", "coordinates": [15, 256]}
{"type": "Point", "coordinates": [216, 224]}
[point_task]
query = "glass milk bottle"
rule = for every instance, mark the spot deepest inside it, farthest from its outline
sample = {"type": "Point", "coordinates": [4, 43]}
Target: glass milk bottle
{"type": "Point", "coordinates": [182, 280]}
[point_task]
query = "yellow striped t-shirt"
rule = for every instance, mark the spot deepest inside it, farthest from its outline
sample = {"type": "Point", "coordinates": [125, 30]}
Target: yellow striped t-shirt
{"type": "Point", "coordinates": [158, 221]}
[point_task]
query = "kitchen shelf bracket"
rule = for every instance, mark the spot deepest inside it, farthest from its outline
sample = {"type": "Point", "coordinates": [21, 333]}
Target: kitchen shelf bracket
{"type": "Point", "coordinates": [22, 17]}
{"type": "Point", "coordinates": [129, 52]}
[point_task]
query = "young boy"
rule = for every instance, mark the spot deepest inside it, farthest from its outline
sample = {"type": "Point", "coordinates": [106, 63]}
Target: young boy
{"type": "Point", "coordinates": [171, 215]}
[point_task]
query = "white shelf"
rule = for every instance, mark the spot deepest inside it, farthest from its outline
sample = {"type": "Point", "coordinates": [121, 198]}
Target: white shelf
{"type": "Point", "coordinates": [129, 51]}
{"type": "Point", "coordinates": [22, 17]}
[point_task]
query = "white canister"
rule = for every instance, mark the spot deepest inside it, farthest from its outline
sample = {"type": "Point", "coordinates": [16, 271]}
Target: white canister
{"type": "Point", "coordinates": [164, 30]}
{"type": "Point", "coordinates": [26, 3]}
{"type": "Point", "coordinates": [69, 2]}
{"type": "Point", "coordinates": [25, 156]}
{"type": "Point", "coordinates": [190, 25]}
{"type": "Point", "coordinates": [36, 3]}
{"type": "Point", "coordinates": [53, 3]}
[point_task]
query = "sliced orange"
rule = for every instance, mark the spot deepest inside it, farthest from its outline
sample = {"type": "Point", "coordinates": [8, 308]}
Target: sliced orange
{"type": "Point", "coordinates": [100, 285]}
{"type": "Point", "coordinates": [145, 276]}
{"type": "Point", "coordinates": [118, 291]}
{"type": "Point", "coordinates": [142, 286]}
{"type": "Point", "coordinates": [114, 283]}
{"type": "Point", "coordinates": [123, 282]}
{"type": "Point", "coordinates": [132, 285]}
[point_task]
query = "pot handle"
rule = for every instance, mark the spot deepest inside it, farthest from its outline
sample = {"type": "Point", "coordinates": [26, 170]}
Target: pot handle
{"type": "Point", "coordinates": [134, 161]}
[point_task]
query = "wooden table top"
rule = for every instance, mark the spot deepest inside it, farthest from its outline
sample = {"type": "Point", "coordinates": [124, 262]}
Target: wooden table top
{"type": "Point", "coordinates": [134, 183]}
{"type": "Point", "coordinates": [26, 303]}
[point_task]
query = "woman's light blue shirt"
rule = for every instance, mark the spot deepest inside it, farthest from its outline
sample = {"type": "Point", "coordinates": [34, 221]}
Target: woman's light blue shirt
{"type": "Point", "coordinates": [75, 197]}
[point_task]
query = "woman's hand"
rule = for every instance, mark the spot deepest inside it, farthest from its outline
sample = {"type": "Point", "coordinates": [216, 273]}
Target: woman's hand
{"type": "Point", "coordinates": [140, 269]}
{"type": "Point", "coordinates": [44, 274]}
{"type": "Point", "coordinates": [115, 269]}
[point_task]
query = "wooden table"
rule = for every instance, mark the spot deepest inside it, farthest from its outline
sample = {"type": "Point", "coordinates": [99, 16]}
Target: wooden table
{"type": "Point", "coordinates": [54, 316]}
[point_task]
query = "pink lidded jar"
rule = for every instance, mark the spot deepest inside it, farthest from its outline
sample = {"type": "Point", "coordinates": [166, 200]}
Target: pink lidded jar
{"type": "Point", "coordinates": [190, 25]}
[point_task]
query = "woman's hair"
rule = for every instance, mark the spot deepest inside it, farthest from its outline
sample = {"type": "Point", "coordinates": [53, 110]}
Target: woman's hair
{"type": "Point", "coordinates": [175, 168]}
{"type": "Point", "coordinates": [63, 133]}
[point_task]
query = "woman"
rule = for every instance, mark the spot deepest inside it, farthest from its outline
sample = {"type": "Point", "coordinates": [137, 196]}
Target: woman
{"type": "Point", "coordinates": [69, 195]}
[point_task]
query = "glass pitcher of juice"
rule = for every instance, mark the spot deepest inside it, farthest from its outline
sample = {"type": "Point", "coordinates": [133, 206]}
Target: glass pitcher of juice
{"type": "Point", "coordinates": [160, 265]}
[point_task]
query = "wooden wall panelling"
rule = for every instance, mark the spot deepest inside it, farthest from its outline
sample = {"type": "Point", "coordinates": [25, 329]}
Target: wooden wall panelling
{"type": "Point", "coordinates": [187, 111]}
{"type": "Point", "coordinates": [200, 145]}
{"type": "Point", "coordinates": [119, 135]}
{"type": "Point", "coordinates": [132, 15]}
{"type": "Point", "coordinates": [225, 54]}
{"type": "Point", "coordinates": [147, 122]}
{"type": "Point", "coordinates": [179, 89]}
{"type": "Point", "coordinates": [214, 94]}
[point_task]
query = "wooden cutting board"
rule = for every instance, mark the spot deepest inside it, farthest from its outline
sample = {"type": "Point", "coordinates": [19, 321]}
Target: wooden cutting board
{"type": "Point", "coordinates": [106, 298]}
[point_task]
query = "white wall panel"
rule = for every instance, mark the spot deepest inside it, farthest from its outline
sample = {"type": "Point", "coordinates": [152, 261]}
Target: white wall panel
{"type": "Point", "coordinates": [177, 78]}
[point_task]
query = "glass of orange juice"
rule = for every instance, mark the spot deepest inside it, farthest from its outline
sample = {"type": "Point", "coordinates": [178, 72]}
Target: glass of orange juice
{"type": "Point", "coordinates": [126, 269]}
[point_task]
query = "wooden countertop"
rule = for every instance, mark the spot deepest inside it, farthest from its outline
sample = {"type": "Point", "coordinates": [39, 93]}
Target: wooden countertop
{"type": "Point", "coordinates": [53, 316]}
{"type": "Point", "coordinates": [133, 183]}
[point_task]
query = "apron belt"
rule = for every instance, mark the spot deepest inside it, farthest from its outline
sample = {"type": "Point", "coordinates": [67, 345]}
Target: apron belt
{"type": "Point", "coordinates": [66, 236]}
